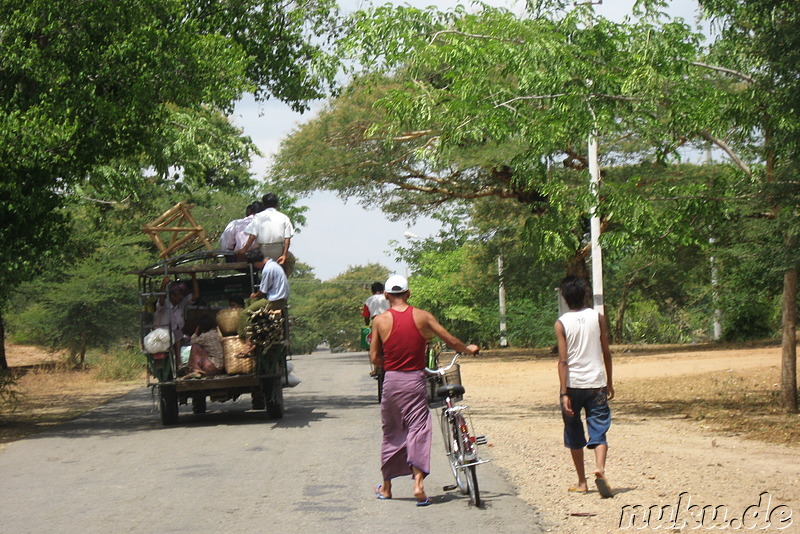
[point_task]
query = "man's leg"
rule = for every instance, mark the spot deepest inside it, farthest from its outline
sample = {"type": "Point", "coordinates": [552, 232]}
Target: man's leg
{"type": "Point", "coordinates": [577, 459]}
{"type": "Point", "coordinates": [600, 453]}
{"type": "Point", "coordinates": [419, 484]}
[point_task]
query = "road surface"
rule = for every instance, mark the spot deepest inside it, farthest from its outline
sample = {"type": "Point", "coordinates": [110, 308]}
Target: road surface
{"type": "Point", "coordinates": [117, 469]}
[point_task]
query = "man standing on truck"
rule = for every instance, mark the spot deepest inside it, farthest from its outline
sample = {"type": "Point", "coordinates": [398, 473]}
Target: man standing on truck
{"type": "Point", "coordinates": [233, 237]}
{"type": "Point", "coordinates": [273, 291]}
{"type": "Point", "coordinates": [399, 338]}
{"type": "Point", "coordinates": [271, 231]}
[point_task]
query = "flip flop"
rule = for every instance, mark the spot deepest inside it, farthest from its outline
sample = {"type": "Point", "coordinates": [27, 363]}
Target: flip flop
{"type": "Point", "coordinates": [578, 490]}
{"type": "Point", "coordinates": [379, 494]}
{"type": "Point", "coordinates": [602, 486]}
{"type": "Point", "coordinates": [426, 502]}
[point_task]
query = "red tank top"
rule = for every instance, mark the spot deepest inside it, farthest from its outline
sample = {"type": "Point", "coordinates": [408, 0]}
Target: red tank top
{"type": "Point", "coordinates": [404, 350]}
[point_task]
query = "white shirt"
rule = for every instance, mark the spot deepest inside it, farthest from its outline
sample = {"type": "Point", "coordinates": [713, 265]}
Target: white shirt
{"type": "Point", "coordinates": [234, 236]}
{"type": "Point", "coordinates": [270, 226]}
{"type": "Point", "coordinates": [274, 283]}
{"type": "Point", "coordinates": [376, 304]}
{"type": "Point", "coordinates": [168, 313]}
{"type": "Point", "coordinates": [585, 366]}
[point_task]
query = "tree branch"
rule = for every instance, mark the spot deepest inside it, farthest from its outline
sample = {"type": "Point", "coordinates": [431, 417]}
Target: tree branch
{"type": "Point", "coordinates": [740, 75]}
{"type": "Point", "coordinates": [729, 151]}
{"type": "Point", "coordinates": [476, 36]}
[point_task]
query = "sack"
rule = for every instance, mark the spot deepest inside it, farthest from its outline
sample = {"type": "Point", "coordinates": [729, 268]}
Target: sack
{"type": "Point", "coordinates": [157, 341]}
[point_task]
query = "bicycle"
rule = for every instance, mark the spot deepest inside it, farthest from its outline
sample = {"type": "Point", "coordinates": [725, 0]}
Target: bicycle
{"type": "Point", "coordinates": [444, 385]}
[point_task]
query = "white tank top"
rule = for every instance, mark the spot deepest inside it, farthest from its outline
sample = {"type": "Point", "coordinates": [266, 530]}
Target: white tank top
{"type": "Point", "coordinates": [585, 368]}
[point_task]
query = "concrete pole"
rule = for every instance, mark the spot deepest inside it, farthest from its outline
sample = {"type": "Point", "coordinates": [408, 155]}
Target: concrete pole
{"type": "Point", "coordinates": [597, 252]}
{"type": "Point", "coordinates": [502, 296]}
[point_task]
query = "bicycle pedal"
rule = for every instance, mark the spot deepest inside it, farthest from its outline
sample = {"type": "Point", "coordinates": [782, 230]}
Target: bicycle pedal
{"type": "Point", "coordinates": [481, 440]}
{"type": "Point", "coordinates": [451, 487]}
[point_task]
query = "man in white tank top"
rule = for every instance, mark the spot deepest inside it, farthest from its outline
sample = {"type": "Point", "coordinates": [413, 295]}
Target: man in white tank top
{"type": "Point", "coordinates": [584, 373]}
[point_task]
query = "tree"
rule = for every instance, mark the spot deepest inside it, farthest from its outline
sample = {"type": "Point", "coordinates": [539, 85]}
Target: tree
{"type": "Point", "coordinates": [757, 126]}
{"type": "Point", "coordinates": [331, 310]}
{"type": "Point", "coordinates": [90, 84]}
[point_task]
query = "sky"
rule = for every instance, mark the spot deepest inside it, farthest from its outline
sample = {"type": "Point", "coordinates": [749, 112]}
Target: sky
{"type": "Point", "coordinates": [339, 233]}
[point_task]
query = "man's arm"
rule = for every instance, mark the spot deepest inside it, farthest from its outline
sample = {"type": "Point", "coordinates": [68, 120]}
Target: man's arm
{"type": "Point", "coordinates": [606, 356]}
{"type": "Point", "coordinates": [282, 257]}
{"type": "Point", "coordinates": [441, 332]}
{"type": "Point", "coordinates": [563, 370]}
{"type": "Point", "coordinates": [376, 345]}
{"type": "Point", "coordinates": [247, 245]}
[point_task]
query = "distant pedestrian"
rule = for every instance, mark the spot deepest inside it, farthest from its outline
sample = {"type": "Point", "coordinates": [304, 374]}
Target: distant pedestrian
{"type": "Point", "coordinates": [374, 305]}
{"type": "Point", "coordinates": [399, 339]}
{"type": "Point", "coordinates": [584, 373]}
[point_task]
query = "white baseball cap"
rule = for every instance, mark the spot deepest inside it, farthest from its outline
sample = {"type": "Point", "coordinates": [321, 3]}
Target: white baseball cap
{"type": "Point", "coordinates": [396, 284]}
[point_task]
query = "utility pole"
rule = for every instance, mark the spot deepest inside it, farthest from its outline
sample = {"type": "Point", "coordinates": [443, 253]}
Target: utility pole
{"type": "Point", "coordinates": [502, 296]}
{"type": "Point", "coordinates": [594, 220]}
{"type": "Point", "coordinates": [594, 224]}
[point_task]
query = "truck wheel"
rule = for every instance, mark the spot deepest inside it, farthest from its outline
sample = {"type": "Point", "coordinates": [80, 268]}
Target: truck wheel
{"type": "Point", "coordinates": [199, 404]}
{"type": "Point", "coordinates": [273, 397]}
{"type": "Point", "coordinates": [168, 405]}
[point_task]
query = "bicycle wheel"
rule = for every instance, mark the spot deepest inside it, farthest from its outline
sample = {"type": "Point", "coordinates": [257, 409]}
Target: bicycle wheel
{"type": "Point", "coordinates": [453, 450]}
{"type": "Point", "coordinates": [458, 457]}
{"type": "Point", "coordinates": [474, 492]}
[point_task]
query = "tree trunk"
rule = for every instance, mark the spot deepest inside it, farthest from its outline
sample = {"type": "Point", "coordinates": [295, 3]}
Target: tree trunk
{"type": "Point", "coordinates": [83, 349]}
{"type": "Point", "coordinates": [789, 347]}
{"type": "Point", "coordinates": [623, 305]}
{"type": "Point", "coordinates": [3, 361]}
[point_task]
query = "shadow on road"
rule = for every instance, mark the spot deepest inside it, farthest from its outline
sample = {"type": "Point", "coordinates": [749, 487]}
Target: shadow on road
{"type": "Point", "coordinates": [138, 412]}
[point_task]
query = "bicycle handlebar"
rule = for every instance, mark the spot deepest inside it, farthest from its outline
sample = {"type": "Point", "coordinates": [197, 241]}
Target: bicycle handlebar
{"type": "Point", "coordinates": [443, 370]}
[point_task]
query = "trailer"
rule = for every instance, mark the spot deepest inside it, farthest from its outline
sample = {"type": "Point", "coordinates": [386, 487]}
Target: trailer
{"type": "Point", "coordinates": [220, 278]}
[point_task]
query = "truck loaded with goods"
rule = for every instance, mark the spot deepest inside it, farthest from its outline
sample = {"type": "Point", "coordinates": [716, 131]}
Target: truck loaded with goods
{"type": "Point", "coordinates": [197, 296]}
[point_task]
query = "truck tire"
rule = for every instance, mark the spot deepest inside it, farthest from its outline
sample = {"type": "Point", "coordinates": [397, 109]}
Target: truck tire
{"type": "Point", "coordinates": [168, 404]}
{"type": "Point", "coordinates": [199, 404]}
{"type": "Point", "coordinates": [273, 397]}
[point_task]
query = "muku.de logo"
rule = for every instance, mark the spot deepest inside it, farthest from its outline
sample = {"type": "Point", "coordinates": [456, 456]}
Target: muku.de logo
{"type": "Point", "coordinates": [684, 514]}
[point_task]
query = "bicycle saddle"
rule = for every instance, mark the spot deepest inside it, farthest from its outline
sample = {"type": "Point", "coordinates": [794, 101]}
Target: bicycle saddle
{"type": "Point", "coordinates": [450, 390]}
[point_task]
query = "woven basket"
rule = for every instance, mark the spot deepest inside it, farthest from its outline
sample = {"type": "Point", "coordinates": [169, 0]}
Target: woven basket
{"type": "Point", "coordinates": [228, 320]}
{"type": "Point", "coordinates": [235, 362]}
{"type": "Point", "coordinates": [453, 376]}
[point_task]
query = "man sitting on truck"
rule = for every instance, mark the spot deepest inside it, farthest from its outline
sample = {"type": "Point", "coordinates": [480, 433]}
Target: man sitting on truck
{"type": "Point", "coordinates": [272, 293]}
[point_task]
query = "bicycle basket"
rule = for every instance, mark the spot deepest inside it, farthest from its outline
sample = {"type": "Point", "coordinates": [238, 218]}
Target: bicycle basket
{"type": "Point", "coordinates": [453, 376]}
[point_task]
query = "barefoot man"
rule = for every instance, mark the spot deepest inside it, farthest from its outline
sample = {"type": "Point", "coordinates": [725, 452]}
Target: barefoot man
{"type": "Point", "coordinates": [399, 336]}
{"type": "Point", "coordinates": [584, 372]}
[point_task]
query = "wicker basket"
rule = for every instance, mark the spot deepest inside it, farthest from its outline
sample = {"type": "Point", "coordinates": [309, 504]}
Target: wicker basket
{"type": "Point", "coordinates": [453, 376]}
{"type": "Point", "coordinates": [228, 320]}
{"type": "Point", "coordinates": [236, 363]}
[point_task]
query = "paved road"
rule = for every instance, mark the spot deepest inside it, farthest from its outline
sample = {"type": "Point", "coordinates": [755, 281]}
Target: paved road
{"type": "Point", "coordinates": [118, 470]}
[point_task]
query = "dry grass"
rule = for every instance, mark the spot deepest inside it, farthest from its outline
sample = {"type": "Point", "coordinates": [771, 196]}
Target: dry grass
{"type": "Point", "coordinates": [49, 394]}
{"type": "Point", "coordinates": [742, 404]}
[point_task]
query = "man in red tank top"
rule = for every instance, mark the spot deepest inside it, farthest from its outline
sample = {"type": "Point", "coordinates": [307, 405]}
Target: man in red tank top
{"type": "Point", "coordinates": [399, 337]}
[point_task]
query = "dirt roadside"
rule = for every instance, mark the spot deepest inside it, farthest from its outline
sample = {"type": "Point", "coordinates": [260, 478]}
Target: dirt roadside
{"type": "Point", "coordinates": [652, 461]}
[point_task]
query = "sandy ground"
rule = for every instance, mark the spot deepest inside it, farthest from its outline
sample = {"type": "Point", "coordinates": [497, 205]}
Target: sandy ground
{"type": "Point", "coordinates": [651, 461]}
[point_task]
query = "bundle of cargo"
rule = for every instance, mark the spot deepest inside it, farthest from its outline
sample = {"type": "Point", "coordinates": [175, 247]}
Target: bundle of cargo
{"type": "Point", "coordinates": [265, 327]}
